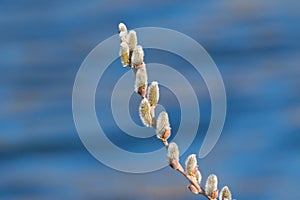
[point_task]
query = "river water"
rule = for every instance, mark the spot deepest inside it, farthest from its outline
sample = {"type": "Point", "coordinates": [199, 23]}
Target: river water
{"type": "Point", "coordinates": [255, 45]}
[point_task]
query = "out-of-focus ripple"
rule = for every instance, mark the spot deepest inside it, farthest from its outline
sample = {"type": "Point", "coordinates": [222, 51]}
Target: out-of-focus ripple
{"type": "Point", "coordinates": [255, 45]}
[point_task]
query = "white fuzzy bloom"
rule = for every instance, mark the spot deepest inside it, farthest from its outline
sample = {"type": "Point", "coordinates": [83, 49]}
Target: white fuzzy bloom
{"type": "Point", "coordinates": [141, 78]}
{"type": "Point", "coordinates": [162, 124]}
{"type": "Point", "coordinates": [153, 93]}
{"type": "Point", "coordinates": [225, 194]}
{"type": "Point", "coordinates": [123, 36]}
{"type": "Point", "coordinates": [144, 111]}
{"type": "Point", "coordinates": [124, 54]}
{"type": "Point", "coordinates": [122, 27]}
{"type": "Point", "coordinates": [137, 57]}
{"type": "Point", "coordinates": [132, 40]}
{"type": "Point", "coordinates": [211, 184]}
{"type": "Point", "coordinates": [190, 164]}
{"type": "Point", "coordinates": [198, 176]}
{"type": "Point", "coordinates": [123, 32]}
{"type": "Point", "coordinates": [173, 152]}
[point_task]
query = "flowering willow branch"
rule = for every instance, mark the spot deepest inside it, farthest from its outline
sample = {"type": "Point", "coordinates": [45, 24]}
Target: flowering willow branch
{"type": "Point", "coordinates": [132, 55]}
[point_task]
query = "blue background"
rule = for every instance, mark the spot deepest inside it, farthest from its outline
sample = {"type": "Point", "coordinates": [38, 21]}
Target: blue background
{"type": "Point", "coordinates": [255, 45]}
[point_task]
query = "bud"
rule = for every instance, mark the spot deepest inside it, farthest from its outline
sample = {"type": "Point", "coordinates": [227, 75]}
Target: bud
{"type": "Point", "coordinates": [211, 186]}
{"type": "Point", "coordinates": [144, 111]}
{"type": "Point", "coordinates": [193, 189]}
{"type": "Point", "coordinates": [122, 27]}
{"type": "Point", "coordinates": [153, 94]}
{"type": "Point", "coordinates": [141, 79]}
{"type": "Point", "coordinates": [132, 40]}
{"type": "Point", "coordinates": [124, 54]}
{"type": "Point", "coordinates": [173, 157]}
{"type": "Point", "coordinates": [191, 165]}
{"type": "Point", "coordinates": [137, 57]}
{"type": "Point", "coordinates": [198, 176]}
{"type": "Point", "coordinates": [163, 126]}
{"type": "Point", "coordinates": [173, 152]}
{"type": "Point", "coordinates": [122, 32]}
{"type": "Point", "coordinates": [225, 194]}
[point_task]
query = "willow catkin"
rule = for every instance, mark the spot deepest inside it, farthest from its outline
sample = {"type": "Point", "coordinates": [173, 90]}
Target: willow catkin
{"type": "Point", "coordinates": [211, 184]}
{"type": "Point", "coordinates": [225, 194]}
{"type": "Point", "coordinates": [144, 112]}
{"type": "Point", "coordinates": [123, 32]}
{"type": "Point", "coordinates": [141, 78]}
{"type": "Point", "coordinates": [190, 164]}
{"type": "Point", "coordinates": [173, 152]}
{"type": "Point", "coordinates": [162, 124]}
{"type": "Point", "coordinates": [137, 57]}
{"type": "Point", "coordinates": [124, 54]}
{"type": "Point", "coordinates": [153, 93]}
{"type": "Point", "coordinates": [132, 40]}
{"type": "Point", "coordinates": [122, 27]}
{"type": "Point", "coordinates": [198, 177]}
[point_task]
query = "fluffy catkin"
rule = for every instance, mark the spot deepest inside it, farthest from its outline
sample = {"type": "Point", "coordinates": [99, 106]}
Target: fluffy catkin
{"type": "Point", "coordinates": [124, 54]}
{"type": "Point", "coordinates": [132, 40]}
{"type": "Point", "coordinates": [141, 78]}
{"type": "Point", "coordinates": [144, 112]}
{"type": "Point", "coordinates": [173, 152]}
{"type": "Point", "coordinates": [190, 163]}
{"type": "Point", "coordinates": [137, 57]}
{"type": "Point", "coordinates": [198, 177]}
{"type": "Point", "coordinates": [162, 124]}
{"type": "Point", "coordinates": [153, 93]}
{"type": "Point", "coordinates": [123, 32]}
{"type": "Point", "coordinates": [211, 184]}
{"type": "Point", "coordinates": [122, 27]}
{"type": "Point", "coordinates": [225, 194]}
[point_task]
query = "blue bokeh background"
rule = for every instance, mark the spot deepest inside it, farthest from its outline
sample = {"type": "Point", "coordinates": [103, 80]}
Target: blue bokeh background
{"type": "Point", "coordinates": [255, 45]}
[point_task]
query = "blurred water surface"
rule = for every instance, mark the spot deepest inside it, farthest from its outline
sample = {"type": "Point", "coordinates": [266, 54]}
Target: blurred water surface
{"type": "Point", "coordinates": [255, 45]}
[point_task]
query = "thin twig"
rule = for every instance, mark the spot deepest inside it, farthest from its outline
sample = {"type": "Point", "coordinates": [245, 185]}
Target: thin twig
{"type": "Point", "coordinates": [174, 163]}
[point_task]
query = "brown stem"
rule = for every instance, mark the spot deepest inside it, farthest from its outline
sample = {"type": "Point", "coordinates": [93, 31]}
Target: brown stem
{"type": "Point", "coordinates": [165, 142]}
{"type": "Point", "coordinates": [191, 179]}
